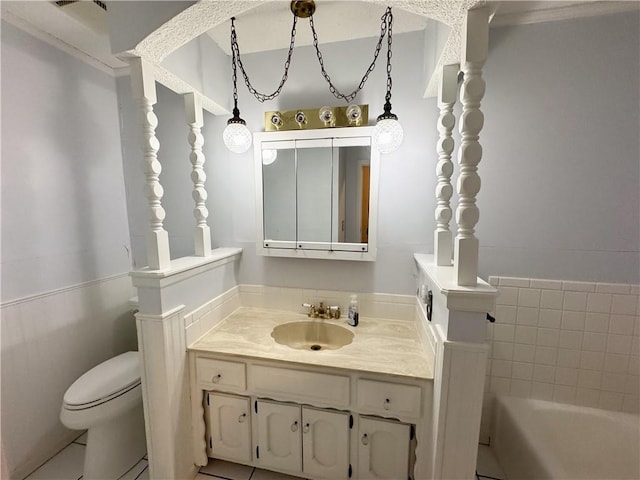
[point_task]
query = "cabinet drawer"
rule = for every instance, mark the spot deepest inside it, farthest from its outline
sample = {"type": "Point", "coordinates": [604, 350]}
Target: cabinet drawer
{"type": "Point", "coordinates": [389, 398]}
{"type": "Point", "coordinates": [299, 385]}
{"type": "Point", "coordinates": [219, 373]}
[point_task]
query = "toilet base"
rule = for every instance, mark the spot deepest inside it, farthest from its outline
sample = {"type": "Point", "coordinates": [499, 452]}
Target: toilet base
{"type": "Point", "coordinates": [113, 447]}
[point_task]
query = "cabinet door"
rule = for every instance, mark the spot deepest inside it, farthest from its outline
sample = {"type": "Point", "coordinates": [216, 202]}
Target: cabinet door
{"type": "Point", "coordinates": [383, 449]}
{"type": "Point", "coordinates": [325, 443]}
{"type": "Point", "coordinates": [279, 430]}
{"type": "Point", "coordinates": [229, 421]}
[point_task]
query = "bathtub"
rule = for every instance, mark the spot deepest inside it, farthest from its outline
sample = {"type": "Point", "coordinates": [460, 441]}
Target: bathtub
{"type": "Point", "coordinates": [535, 439]}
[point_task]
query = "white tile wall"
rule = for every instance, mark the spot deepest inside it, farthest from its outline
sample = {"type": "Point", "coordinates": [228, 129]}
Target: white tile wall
{"type": "Point", "coordinates": [571, 342]}
{"type": "Point", "coordinates": [48, 341]}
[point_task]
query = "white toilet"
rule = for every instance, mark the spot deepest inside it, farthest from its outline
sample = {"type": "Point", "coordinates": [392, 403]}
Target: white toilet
{"type": "Point", "coordinates": [107, 401]}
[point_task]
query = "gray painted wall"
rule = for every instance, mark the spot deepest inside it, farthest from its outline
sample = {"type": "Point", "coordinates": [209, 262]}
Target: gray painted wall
{"type": "Point", "coordinates": [63, 202]}
{"type": "Point", "coordinates": [561, 170]}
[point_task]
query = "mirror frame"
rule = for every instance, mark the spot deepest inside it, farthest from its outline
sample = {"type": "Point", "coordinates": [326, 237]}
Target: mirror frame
{"type": "Point", "coordinates": [319, 250]}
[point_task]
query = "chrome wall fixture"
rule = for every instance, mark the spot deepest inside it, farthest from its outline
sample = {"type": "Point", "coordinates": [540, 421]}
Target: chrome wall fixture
{"type": "Point", "coordinates": [387, 135]}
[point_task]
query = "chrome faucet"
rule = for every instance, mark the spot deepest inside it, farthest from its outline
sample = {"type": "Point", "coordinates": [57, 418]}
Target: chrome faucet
{"type": "Point", "coordinates": [322, 310]}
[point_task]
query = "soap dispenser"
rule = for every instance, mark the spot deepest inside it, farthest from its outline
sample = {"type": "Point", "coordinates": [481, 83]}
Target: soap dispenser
{"type": "Point", "coordinates": [353, 311]}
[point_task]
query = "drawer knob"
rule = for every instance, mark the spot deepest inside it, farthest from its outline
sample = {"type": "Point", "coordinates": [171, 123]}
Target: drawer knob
{"type": "Point", "coordinates": [306, 428]}
{"type": "Point", "coordinates": [242, 418]}
{"type": "Point", "coordinates": [365, 439]}
{"type": "Point", "coordinates": [294, 426]}
{"type": "Point", "coordinates": [216, 378]}
{"type": "Point", "coordinates": [386, 404]}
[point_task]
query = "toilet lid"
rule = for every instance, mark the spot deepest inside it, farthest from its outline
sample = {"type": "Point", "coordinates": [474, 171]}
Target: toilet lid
{"type": "Point", "coordinates": [106, 380]}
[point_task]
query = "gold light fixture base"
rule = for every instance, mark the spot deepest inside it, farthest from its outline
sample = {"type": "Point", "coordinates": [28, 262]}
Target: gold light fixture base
{"type": "Point", "coordinates": [309, 118]}
{"type": "Point", "coordinates": [303, 8]}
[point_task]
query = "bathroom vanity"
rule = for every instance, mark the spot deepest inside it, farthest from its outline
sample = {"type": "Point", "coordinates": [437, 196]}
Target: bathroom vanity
{"type": "Point", "coordinates": [358, 411]}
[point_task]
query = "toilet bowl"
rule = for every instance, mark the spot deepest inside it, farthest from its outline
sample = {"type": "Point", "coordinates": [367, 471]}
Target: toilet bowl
{"type": "Point", "coordinates": [107, 401]}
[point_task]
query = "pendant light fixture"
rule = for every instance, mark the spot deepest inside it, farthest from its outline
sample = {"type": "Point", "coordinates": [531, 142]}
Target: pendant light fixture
{"type": "Point", "coordinates": [388, 132]}
{"type": "Point", "coordinates": [236, 135]}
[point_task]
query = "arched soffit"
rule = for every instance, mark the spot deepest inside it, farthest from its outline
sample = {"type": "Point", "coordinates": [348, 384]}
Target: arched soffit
{"type": "Point", "coordinates": [205, 15]}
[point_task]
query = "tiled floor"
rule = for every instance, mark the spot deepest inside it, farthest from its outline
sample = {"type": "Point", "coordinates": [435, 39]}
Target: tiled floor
{"type": "Point", "coordinates": [487, 466]}
{"type": "Point", "coordinates": [67, 465]}
{"type": "Point", "coordinates": [234, 471]}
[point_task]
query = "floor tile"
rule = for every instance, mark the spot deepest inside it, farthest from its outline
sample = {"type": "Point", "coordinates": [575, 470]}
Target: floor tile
{"type": "Point", "coordinates": [135, 471]}
{"type": "Point", "coordinates": [260, 474]}
{"type": "Point", "coordinates": [487, 465]}
{"type": "Point", "coordinates": [144, 475]}
{"type": "Point", "coordinates": [82, 439]}
{"type": "Point", "coordinates": [66, 465]}
{"type": "Point", "coordinates": [231, 471]}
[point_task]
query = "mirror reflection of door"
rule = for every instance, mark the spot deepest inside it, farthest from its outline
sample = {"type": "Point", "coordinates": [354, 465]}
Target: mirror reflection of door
{"type": "Point", "coordinates": [364, 206]}
{"type": "Point", "coordinates": [352, 185]}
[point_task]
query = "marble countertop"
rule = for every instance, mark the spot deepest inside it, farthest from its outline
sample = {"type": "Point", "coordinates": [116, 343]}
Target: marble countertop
{"type": "Point", "coordinates": [391, 347]}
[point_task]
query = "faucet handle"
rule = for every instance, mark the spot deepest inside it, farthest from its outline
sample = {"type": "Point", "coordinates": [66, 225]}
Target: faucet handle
{"type": "Point", "coordinates": [311, 307]}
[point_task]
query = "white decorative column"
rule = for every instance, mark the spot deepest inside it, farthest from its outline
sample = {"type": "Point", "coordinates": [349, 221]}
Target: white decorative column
{"type": "Point", "coordinates": [474, 53]}
{"type": "Point", "coordinates": [202, 234]}
{"type": "Point", "coordinates": [447, 91]}
{"type": "Point", "coordinates": [143, 88]}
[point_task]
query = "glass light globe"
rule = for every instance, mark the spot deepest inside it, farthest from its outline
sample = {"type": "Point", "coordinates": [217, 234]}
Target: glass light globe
{"type": "Point", "coordinates": [387, 136]}
{"type": "Point", "coordinates": [237, 137]}
{"type": "Point", "coordinates": [269, 156]}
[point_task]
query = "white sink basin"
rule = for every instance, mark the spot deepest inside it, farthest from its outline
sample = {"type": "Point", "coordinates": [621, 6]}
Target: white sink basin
{"type": "Point", "coordinates": [315, 335]}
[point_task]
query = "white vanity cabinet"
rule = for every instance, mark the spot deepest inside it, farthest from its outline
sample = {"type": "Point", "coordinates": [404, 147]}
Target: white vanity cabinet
{"type": "Point", "coordinates": [383, 449]}
{"type": "Point", "coordinates": [313, 422]}
{"type": "Point", "coordinates": [229, 426]}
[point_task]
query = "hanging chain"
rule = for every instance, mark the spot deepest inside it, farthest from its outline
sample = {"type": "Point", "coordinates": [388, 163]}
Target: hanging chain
{"type": "Point", "coordinates": [261, 97]}
{"type": "Point", "coordinates": [387, 97]}
{"type": "Point", "coordinates": [385, 26]}
{"type": "Point", "coordinates": [385, 29]}
{"type": "Point", "coordinates": [234, 75]}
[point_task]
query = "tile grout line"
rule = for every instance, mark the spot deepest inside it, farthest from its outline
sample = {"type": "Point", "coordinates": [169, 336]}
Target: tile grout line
{"type": "Point", "coordinates": [143, 470]}
{"type": "Point", "coordinates": [217, 476]}
{"type": "Point", "coordinates": [486, 476]}
{"type": "Point", "coordinates": [134, 466]}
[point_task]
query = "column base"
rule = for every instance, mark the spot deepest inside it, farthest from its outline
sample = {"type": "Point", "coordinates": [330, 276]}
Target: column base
{"type": "Point", "coordinates": [465, 261]}
{"type": "Point", "coordinates": [158, 257]}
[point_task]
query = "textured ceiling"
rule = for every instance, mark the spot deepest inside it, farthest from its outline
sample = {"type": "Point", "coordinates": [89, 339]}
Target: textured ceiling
{"type": "Point", "coordinates": [264, 24]}
{"type": "Point", "coordinates": [204, 16]}
{"type": "Point", "coordinates": [268, 27]}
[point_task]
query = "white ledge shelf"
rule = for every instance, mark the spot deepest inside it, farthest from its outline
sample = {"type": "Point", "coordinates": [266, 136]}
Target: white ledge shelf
{"type": "Point", "coordinates": [184, 267]}
{"type": "Point", "coordinates": [480, 298]}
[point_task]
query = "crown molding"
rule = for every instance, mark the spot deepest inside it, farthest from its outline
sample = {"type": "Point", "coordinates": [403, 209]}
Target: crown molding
{"type": "Point", "coordinates": [565, 12]}
{"type": "Point", "coordinates": [34, 31]}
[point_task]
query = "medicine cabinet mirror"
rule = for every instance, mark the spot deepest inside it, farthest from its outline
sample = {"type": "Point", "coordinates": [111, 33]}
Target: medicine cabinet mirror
{"type": "Point", "coordinates": [317, 193]}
